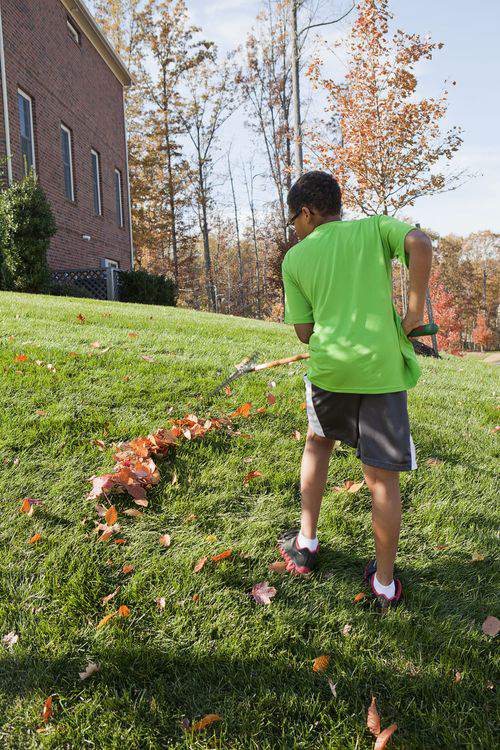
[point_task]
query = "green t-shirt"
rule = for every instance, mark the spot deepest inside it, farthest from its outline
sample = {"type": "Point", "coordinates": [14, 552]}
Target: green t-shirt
{"type": "Point", "coordinates": [340, 278]}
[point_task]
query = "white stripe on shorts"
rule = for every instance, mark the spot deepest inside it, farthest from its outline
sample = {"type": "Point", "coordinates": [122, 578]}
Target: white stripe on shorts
{"type": "Point", "coordinates": [312, 417]}
{"type": "Point", "coordinates": [413, 454]}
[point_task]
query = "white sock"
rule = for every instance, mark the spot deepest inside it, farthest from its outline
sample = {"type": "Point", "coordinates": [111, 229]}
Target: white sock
{"type": "Point", "coordinates": [304, 541]}
{"type": "Point", "coordinates": [388, 591]}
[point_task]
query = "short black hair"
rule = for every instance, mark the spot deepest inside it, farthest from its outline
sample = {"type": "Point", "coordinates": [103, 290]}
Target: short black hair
{"type": "Point", "coordinates": [319, 190]}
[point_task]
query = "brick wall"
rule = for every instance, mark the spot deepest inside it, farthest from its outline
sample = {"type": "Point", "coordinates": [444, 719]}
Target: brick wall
{"type": "Point", "coordinates": [69, 84]}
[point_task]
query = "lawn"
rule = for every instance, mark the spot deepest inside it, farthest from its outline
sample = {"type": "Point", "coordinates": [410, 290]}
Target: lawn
{"type": "Point", "coordinates": [221, 652]}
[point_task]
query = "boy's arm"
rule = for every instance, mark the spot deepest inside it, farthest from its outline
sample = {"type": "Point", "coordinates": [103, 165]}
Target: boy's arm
{"type": "Point", "coordinates": [304, 331]}
{"type": "Point", "coordinates": [419, 248]}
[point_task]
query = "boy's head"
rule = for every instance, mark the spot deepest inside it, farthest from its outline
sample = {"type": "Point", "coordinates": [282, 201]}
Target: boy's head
{"type": "Point", "coordinates": [313, 200]}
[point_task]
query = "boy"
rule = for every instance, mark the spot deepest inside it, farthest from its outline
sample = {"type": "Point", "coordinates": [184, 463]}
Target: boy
{"type": "Point", "coordinates": [338, 296]}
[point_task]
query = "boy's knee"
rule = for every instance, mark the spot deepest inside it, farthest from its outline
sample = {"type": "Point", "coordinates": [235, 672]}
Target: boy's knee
{"type": "Point", "coordinates": [376, 476]}
{"type": "Point", "coordinates": [315, 440]}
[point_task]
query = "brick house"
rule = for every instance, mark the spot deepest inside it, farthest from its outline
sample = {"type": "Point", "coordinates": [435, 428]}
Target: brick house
{"type": "Point", "coordinates": [62, 112]}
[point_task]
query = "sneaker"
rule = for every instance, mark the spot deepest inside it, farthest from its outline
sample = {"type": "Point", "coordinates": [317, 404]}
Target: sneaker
{"type": "Point", "coordinates": [299, 560]}
{"type": "Point", "coordinates": [380, 601]}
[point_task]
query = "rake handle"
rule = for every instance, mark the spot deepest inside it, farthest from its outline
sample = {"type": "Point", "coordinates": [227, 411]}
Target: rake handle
{"type": "Point", "coordinates": [286, 361]}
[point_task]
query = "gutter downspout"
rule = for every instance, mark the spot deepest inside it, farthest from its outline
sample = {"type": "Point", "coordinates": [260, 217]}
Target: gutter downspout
{"type": "Point", "coordinates": [128, 186]}
{"type": "Point", "coordinates": [5, 105]}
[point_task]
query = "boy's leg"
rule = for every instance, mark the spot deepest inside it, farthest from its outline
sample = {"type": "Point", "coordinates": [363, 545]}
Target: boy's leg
{"type": "Point", "coordinates": [386, 518]}
{"type": "Point", "coordinates": [313, 477]}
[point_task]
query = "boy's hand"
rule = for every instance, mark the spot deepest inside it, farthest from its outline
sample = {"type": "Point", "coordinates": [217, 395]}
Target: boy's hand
{"type": "Point", "coordinates": [411, 321]}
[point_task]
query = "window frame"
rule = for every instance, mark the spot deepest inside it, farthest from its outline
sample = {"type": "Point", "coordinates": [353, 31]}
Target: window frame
{"type": "Point", "coordinates": [95, 153]}
{"type": "Point", "coordinates": [29, 99]}
{"type": "Point", "coordinates": [120, 219]}
{"type": "Point", "coordinates": [73, 31]}
{"type": "Point", "coordinates": [65, 129]}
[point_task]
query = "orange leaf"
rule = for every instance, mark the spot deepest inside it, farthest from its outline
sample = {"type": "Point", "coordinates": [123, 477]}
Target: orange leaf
{"type": "Point", "coordinates": [127, 568]}
{"type": "Point", "coordinates": [133, 335]}
{"type": "Point", "coordinates": [321, 663]}
{"type": "Point", "coordinates": [242, 411]}
{"type": "Point", "coordinates": [120, 541]}
{"type": "Point", "coordinates": [111, 516]}
{"type": "Point", "coordinates": [261, 410]}
{"type": "Point", "coordinates": [252, 475]}
{"type": "Point", "coordinates": [205, 722]}
{"type": "Point", "coordinates": [123, 611]}
{"type": "Point", "coordinates": [165, 540]}
{"type": "Point", "coordinates": [47, 709]}
{"type": "Point", "coordinates": [278, 567]}
{"type": "Point", "coordinates": [196, 598]}
{"type": "Point", "coordinates": [303, 405]}
{"type": "Point", "coordinates": [222, 555]}
{"type": "Point", "coordinates": [373, 719]}
{"type": "Point", "coordinates": [106, 619]}
{"type": "Point", "coordinates": [20, 358]}
{"type": "Point", "coordinates": [271, 398]}
{"type": "Point", "coordinates": [384, 736]}
{"type": "Point", "coordinates": [359, 596]}
{"type": "Point", "coordinates": [199, 565]}
{"type": "Point", "coordinates": [35, 538]}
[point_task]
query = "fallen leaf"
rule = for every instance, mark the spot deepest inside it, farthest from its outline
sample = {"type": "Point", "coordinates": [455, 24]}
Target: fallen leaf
{"type": "Point", "coordinates": [120, 541]}
{"type": "Point", "coordinates": [261, 410]}
{"type": "Point", "coordinates": [205, 722]}
{"type": "Point", "coordinates": [252, 475]}
{"type": "Point", "coordinates": [123, 611]}
{"type": "Point", "coordinates": [373, 718]}
{"type": "Point", "coordinates": [434, 462]}
{"type": "Point", "coordinates": [141, 502]}
{"type": "Point", "coordinates": [271, 398]}
{"type": "Point", "coordinates": [278, 567]}
{"type": "Point", "coordinates": [227, 390]}
{"type": "Point", "coordinates": [199, 565]}
{"type": "Point", "coordinates": [111, 516]}
{"type": "Point", "coordinates": [191, 517]}
{"type": "Point", "coordinates": [133, 335]}
{"type": "Point", "coordinates": [303, 405]}
{"type": "Point", "coordinates": [359, 596]}
{"type": "Point", "coordinates": [90, 669]}
{"type": "Point", "coordinates": [161, 602]}
{"type": "Point", "coordinates": [320, 664]}
{"type": "Point", "coordinates": [51, 367]}
{"type": "Point", "coordinates": [384, 736]}
{"type": "Point", "coordinates": [175, 479]}
{"type": "Point", "coordinates": [133, 512]}
{"type": "Point", "coordinates": [35, 538]}
{"type": "Point", "coordinates": [491, 626]}
{"type": "Point", "coordinates": [272, 384]}
{"type": "Point", "coordinates": [147, 358]}
{"type": "Point", "coordinates": [458, 677]}
{"type": "Point", "coordinates": [441, 547]}
{"type": "Point", "coordinates": [106, 619]}
{"type": "Point", "coordinates": [108, 598]}
{"type": "Point", "coordinates": [346, 629]}
{"type": "Point", "coordinates": [11, 339]}
{"type": "Point", "coordinates": [196, 598]}
{"type": "Point", "coordinates": [126, 378]}
{"type": "Point", "coordinates": [47, 709]}
{"type": "Point", "coordinates": [211, 538]}
{"type": "Point", "coordinates": [222, 555]}
{"type": "Point", "coordinates": [28, 506]}
{"type": "Point", "coordinates": [41, 413]}
{"type": "Point", "coordinates": [333, 687]}
{"type": "Point", "coordinates": [100, 444]}
{"type": "Point", "coordinates": [262, 593]}
{"type": "Point", "coordinates": [127, 568]}
{"type": "Point", "coordinates": [72, 354]}
{"type": "Point", "coordinates": [10, 639]}
{"type": "Point", "coordinates": [20, 358]}
{"type": "Point", "coordinates": [165, 540]}
{"type": "Point", "coordinates": [349, 486]}
{"type": "Point", "coordinates": [95, 344]}
{"type": "Point", "coordinates": [296, 435]}
{"type": "Point", "coordinates": [242, 411]}
{"type": "Point", "coordinates": [81, 318]}
{"type": "Point", "coordinates": [477, 557]}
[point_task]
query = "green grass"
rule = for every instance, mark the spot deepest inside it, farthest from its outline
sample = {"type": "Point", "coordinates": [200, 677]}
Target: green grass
{"type": "Point", "coordinates": [224, 654]}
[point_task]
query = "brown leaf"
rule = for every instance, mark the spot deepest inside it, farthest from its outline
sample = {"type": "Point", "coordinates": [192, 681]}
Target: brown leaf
{"type": "Point", "coordinates": [261, 410]}
{"type": "Point", "coordinates": [359, 596]}
{"type": "Point", "coordinates": [191, 517]}
{"type": "Point", "coordinates": [132, 335]}
{"type": "Point", "coordinates": [81, 318]}
{"type": "Point", "coordinates": [10, 639]}
{"type": "Point", "coordinates": [271, 398]}
{"type": "Point", "coordinates": [161, 603]}
{"type": "Point", "coordinates": [434, 462]}
{"type": "Point", "coordinates": [477, 557]}
{"type": "Point", "coordinates": [123, 611]}
{"type": "Point", "coordinates": [222, 555]}
{"type": "Point", "coordinates": [127, 568]}
{"type": "Point", "coordinates": [99, 444]}
{"type": "Point", "coordinates": [384, 736]}
{"type": "Point", "coordinates": [111, 516]}
{"type": "Point", "coordinates": [333, 687]}
{"type": "Point", "coordinates": [205, 722]}
{"type": "Point", "coordinates": [133, 512]}
{"type": "Point", "coordinates": [458, 677]}
{"type": "Point", "coordinates": [373, 718]}
{"type": "Point", "coordinates": [35, 538]}
{"type": "Point", "coordinates": [47, 709]}
{"type": "Point", "coordinates": [320, 664]}
{"type": "Point", "coordinates": [147, 358]}
{"type": "Point", "coordinates": [41, 413]}
{"type": "Point", "coordinates": [262, 593]}
{"type": "Point", "coordinates": [199, 565]}
{"type": "Point", "coordinates": [227, 390]}
{"type": "Point", "coordinates": [296, 435]}
{"type": "Point", "coordinates": [90, 669]}
{"type": "Point", "coordinates": [108, 598]}
{"type": "Point", "coordinates": [165, 540]}
{"type": "Point", "coordinates": [252, 475]}
{"type": "Point", "coordinates": [175, 478]}
{"type": "Point", "coordinates": [442, 547]}
{"type": "Point", "coordinates": [96, 345]}
{"type": "Point", "coordinates": [303, 405]}
{"type": "Point", "coordinates": [278, 567]}
{"type": "Point", "coordinates": [141, 502]}
{"type": "Point", "coordinates": [196, 598]}
{"type": "Point", "coordinates": [491, 626]}
{"type": "Point", "coordinates": [349, 486]}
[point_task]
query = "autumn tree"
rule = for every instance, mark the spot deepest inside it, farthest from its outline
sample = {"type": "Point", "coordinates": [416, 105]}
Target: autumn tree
{"type": "Point", "coordinates": [448, 315]}
{"type": "Point", "coordinates": [482, 335]}
{"type": "Point", "coordinates": [384, 144]}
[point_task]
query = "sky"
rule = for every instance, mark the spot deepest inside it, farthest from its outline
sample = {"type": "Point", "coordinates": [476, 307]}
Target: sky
{"type": "Point", "coordinates": [470, 56]}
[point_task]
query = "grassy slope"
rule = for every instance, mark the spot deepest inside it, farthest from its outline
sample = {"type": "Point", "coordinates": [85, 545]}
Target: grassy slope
{"type": "Point", "coordinates": [250, 664]}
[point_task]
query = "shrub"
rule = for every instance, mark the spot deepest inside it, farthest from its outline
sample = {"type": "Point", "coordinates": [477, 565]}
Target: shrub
{"type": "Point", "coordinates": [27, 225]}
{"type": "Point", "coordinates": [147, 288]}
{"type": "Point", "coordinates": [67, 290]}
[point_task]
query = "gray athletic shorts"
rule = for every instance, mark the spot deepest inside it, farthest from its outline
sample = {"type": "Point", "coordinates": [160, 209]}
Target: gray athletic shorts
{"type": "Point", "coordinates": [376, 424]}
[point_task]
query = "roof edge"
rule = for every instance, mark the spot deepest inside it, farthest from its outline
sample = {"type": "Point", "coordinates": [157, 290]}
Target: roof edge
{"type": "Point", "coordinates": [79, 11]}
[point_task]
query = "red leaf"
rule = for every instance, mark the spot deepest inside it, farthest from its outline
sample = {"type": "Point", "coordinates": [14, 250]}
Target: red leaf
{"type": "Point", "coordinates": [271, 398]}
{"type": "Point", "coordinates": [373, 719]}
{"type": "Point", "coordinates": [252, 475]}
{"type": "Point", "coordinates": [199, 565]}
{"type": "Point", "coordinates": [222, 555]}
{"type": "Point", "coordinates": [120, 541]}
{"type": "Point", "coordinates": [359, 596]}
{"type": "Point", "coordinates": [47, 709]}
{"type": "Point", "coordinates": [262, 593]}
{"type": "Point", "coordinates": [21, 358]}
{"type": "Point", "coordinates": [35, 538]}
{"type": "Point", "coordinates": [127, 568]}
{"type": "Point", "coordinates": [384, 736]}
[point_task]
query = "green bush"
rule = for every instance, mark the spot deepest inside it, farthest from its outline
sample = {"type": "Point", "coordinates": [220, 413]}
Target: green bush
{"type": "Point", "coordinates": [27, 225]}
{"type": "Point", "coordinates": [147, 288]}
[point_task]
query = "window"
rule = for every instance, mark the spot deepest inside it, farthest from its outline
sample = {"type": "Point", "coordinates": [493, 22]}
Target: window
{"type": "Point", "coordinates": [118, 197]}
{"type": "Point", "coordinates": [25, 104]}
{"type": "Point", "coordinates": [74, 33]}
{"type": "Point", "coordinates": [96, 183]}
{"type": "Point", "coordinates": [67, 159]}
